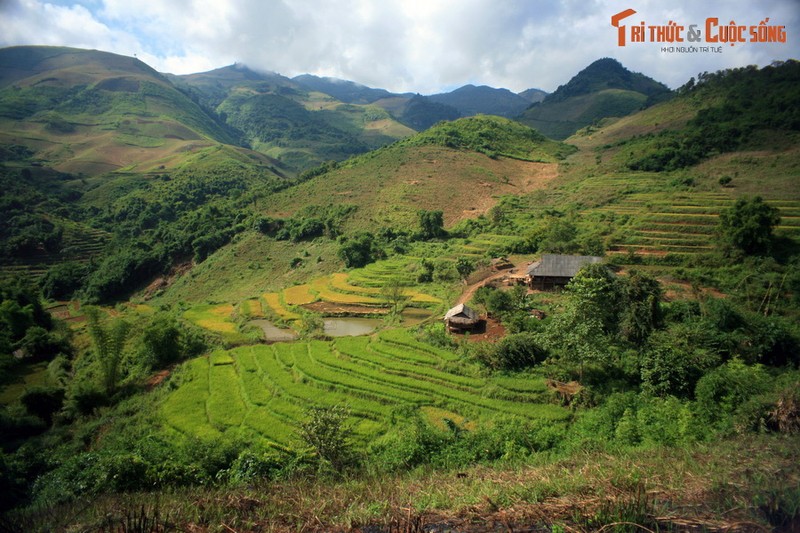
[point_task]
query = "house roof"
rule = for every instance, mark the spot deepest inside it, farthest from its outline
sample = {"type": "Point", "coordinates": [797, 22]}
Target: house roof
{"type": "Point", "coordinates": [561, 266]}
{"type": "Point", "coordinates": [462, 311]}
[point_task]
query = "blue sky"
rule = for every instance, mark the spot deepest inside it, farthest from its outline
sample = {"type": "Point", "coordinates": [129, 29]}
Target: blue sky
{"type": "Point", "coordinates": [422, 46]}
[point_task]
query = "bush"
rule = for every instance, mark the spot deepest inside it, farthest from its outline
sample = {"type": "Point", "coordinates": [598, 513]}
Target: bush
{"type": "Point", "coordinates": [359, 250]}
{"type": "Point", "coordinates": [327, 433]}
{"type": "Point", "coordinates": [513, 352]}
{"type": "Point", "coordinates": [671, 364]}
{"type": "Point", "coordinates": [722, 391]}
{"type": "Point", "coordinates": [62, 280]}
{"type": "Point", "coordinates": [252, 466]}
{"type": "Point", "coordinates": [43, 402]}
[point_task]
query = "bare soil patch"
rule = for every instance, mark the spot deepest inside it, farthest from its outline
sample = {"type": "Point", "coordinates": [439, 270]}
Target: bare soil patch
{"type": "Point", "coordinates": [329, 308]}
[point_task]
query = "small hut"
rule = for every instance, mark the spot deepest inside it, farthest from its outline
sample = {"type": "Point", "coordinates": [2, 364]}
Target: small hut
{"type": "Point", "coordinates": [557, 270]}
{"type": "Point", "coordinates": [461, 318]}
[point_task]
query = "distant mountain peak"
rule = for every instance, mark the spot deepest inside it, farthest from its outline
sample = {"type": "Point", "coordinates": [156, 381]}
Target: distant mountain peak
{"type": "Point", "coordinates": [603, 89]}
{"type": "Point", "coordinates": [606, 73]}
{"type": "Point", "coordinates": [472, 100]}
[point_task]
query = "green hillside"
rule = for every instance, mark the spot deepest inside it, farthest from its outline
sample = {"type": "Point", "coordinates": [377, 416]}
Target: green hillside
{"type": "Point", "coordinates": [603, 89]}
{"type": "Point", "coordinates": [291, 121]}
{"type": "Point", "coordinates": [459, 167]}
{"type": "Point", "coordinates": [88, 112]}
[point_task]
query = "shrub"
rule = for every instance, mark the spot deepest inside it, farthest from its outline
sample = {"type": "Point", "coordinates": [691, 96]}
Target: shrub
{"type": "Point", "coordinates": [516, 351]}
{"type": "Point", "coordinates": [722, 391]}
{"type": "Point", "coordinates": [43, 402]}
{"type": "Point", "coordinates": [327, 433]}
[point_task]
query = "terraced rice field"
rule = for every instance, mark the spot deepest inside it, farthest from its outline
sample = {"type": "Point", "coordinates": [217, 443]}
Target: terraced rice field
{"type": "Point", "coordinates": [682, 223]}
{"type": "Point", "coordinates": [263, 391]}
{"type": "Point", "coordinates": [218, 319]}
{"type": "Point", "coordinates": [274, 303]}
{"type": "Point", "coordinates": [251, 308]}
{"type": "Point", "coordinates": [79, 243]}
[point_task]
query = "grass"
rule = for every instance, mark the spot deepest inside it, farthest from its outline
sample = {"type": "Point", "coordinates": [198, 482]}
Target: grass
{"type": "Point", "coordinates": [31, 375]}
{"type": "Point", "coordinates": [745, 483]}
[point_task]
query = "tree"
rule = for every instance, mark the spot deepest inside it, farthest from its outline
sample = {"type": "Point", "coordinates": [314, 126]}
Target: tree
{"type": "Point", "coordinates": [394, 292]}
{"type": "Point", "coordinates": [426, 271]}
{"type": "Point", "coordinates": [327, 433]}
{"type": "Point", "coordinates": [162, 341]}
{"type": "Point", "coordinates": [595, 292]}
{"type": "Point", "coordinates": [640, 310]}
{"type": "Point", "coordinates": [580, 333]}
{"type": "Point", "coordinates": [43, 402]}
{"type": "Point", "coordinates": [558, 236]}
{"type": "Point", "coordinates": [465, 267]}
{"type": "Point", "coordinates": [108, 341]}
{"type": "Point", "coordinates": [431, 224]}
{"type": "Point", "coordinates": [747, 226]}
{"type": "Point", "coordinates": [359, 250]}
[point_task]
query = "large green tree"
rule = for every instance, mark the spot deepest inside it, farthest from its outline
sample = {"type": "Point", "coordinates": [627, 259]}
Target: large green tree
{"type": "Point", "coordinates": [747, 226]}
{"type": "Point", "coordinates": [431, 224]}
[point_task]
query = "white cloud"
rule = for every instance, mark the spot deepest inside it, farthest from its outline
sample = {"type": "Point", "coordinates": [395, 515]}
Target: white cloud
{"type": "Point", "coordinates": [401, 45]}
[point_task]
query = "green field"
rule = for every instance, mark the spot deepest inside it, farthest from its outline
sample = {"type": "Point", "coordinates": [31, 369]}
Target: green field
{"type": "Point", "coordinates": [263, 391]}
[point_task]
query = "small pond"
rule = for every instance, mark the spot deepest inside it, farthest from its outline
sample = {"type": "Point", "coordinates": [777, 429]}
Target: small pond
{"type": "Point", "coordinates": [351, 326]}
{"type": "Point", "coordinates": [273, 333]}
{"type": "Point", "coordinates": [413, 316]}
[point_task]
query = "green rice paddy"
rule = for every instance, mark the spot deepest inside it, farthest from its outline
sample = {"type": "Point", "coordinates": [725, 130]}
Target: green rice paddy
{"type": "Point", "coordinates": [263, 391]}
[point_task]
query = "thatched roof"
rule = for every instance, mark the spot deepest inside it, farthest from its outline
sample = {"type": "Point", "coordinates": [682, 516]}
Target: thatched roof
{"type": "Point", "coordinates": [462, 315]}
{"type": "Point", "coordinates": [561, 266]}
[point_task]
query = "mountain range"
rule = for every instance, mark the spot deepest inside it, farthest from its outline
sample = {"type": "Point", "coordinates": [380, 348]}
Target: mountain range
{"type": "Point", "coordinates": [115, 112]}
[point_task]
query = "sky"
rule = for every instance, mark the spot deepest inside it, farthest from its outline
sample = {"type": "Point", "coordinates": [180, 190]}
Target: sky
{"type": "Point", "coordinates": [422, 46]}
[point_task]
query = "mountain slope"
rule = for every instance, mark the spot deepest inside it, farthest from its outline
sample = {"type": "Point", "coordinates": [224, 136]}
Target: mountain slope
{"type": "Point", "coordinates": [459, 167]}
{"type": "Point", "coordinates": [346, 91]}
{"type": "Point", "coordinates": [603, 89]}
{"type": "Point", "coordinates": [471, 100]}
{"type": "Point", "coordinates": [533, 95]}
{"type": "Point", "coordinates": [295, 121]}
{"type": "Point", "coordinates": [92, 112]}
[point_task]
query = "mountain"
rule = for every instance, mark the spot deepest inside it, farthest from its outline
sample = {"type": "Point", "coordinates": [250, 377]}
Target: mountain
{"type": "Point", "coordinates": [301, 122]}
{"type": "Point", "coordinates": [603, 89]}
{"type": "Point", "coordinates": [104, 159]}
{"type": "Point", "coordinates": [420, 112]}
{"type": "Point", "coordinates": [533, 95]}
{"type": "Point", "coordinates": [415, 111]}
{"type": "Point", "coordinates": [471, 100]}
{"type": "Point", "coordinates": [460, 167]}
{"type": "Point", "coordinates": [343, 90]}
{"type": "Point", "coordinates": [212, 87]}
{"type": "Point", "coordinates": [88, 112]}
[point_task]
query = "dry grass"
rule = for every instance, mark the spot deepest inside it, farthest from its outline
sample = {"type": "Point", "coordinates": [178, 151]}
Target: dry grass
{"type": "Point", "coordinates": [462, 184]}
{"type": "Point", "coordinates": [741, 485]}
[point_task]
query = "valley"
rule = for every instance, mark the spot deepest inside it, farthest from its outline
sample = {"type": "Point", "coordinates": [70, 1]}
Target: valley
{"type": "Point", "coordinates": [184, 256]}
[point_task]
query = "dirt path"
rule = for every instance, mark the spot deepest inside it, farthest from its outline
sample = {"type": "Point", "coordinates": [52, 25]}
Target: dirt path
{"type": "Point", "coordinates": [470, 291]}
